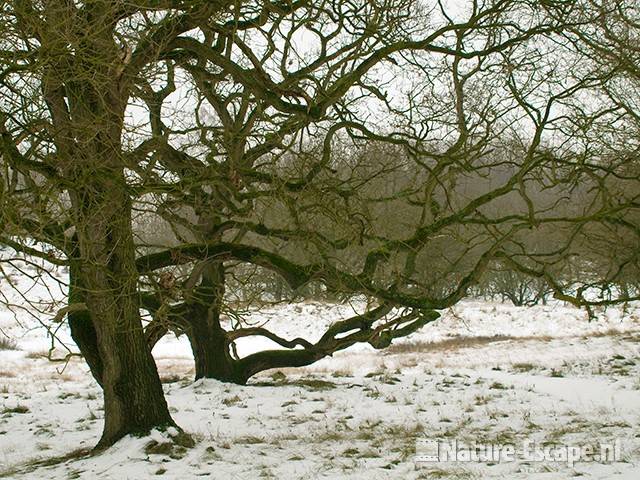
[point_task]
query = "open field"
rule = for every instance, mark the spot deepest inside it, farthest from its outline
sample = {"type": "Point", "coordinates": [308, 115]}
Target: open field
{"type": "Point", "coordinates": [483, 373]}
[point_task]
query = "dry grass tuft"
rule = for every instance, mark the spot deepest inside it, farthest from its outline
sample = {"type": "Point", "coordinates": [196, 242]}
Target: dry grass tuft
{"type": "Point", "coordinates": [8, 344]}
{"type": "Point", "coordinates": [453, 343]}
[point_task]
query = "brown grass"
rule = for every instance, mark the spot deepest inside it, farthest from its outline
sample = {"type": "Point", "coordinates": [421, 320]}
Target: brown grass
{"type": "Point", "coordinates": [7, 344]}
{"type": "Point", "coordinates": [36, 355]}
{"type": "Point", "coordinates": [461, 342]}
{"type": "Point", "coordinates": [456, 343]}
{"type": "Point", "coordinates": [33, 465]}
{"type": "Point", "coordinates": [611, 332]}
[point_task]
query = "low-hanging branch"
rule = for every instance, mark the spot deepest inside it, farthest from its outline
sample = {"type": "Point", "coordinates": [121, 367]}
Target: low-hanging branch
{"type": "Point", "coordinates": [360, 328]}
{"type": "Point", "coordinates": [378, 337]}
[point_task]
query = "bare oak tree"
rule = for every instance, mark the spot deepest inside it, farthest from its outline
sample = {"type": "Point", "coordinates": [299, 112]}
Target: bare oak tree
{"type": "Point", "coordinates": [391, 150]}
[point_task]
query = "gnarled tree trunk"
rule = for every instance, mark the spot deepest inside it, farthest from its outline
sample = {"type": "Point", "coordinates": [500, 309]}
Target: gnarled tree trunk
{"type": "Point", "coordinates": [87, 96]}
{"type": "Point", "coordinates": [211, 353]}
{"type": "Point", "coordinates": [207, 336]}
{"type": "Point", "coordinates": [133, 396]}
{"type": "Point", "coordinates": [81, 325]}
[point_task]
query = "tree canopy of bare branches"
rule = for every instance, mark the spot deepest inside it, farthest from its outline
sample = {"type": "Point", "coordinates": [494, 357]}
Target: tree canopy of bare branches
{"type": "Point", "coordinates": [391, 150]}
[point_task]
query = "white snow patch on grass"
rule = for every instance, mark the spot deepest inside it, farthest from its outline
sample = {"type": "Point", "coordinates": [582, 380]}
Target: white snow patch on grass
{"type": "Point", "coordinates": [483, 372]}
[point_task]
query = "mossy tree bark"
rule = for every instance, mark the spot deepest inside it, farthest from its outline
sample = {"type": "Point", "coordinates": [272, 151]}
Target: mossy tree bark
{"type": "Point", "coordinates": [87, 96]}
{"type": "Point", "coordinates": [81, 326]}
{"type": "Point", "coordinates": [133, 396]}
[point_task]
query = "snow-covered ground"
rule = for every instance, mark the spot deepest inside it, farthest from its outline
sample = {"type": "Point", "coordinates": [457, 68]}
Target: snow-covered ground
{"type": "Point", "coordinates": [484, 373]}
